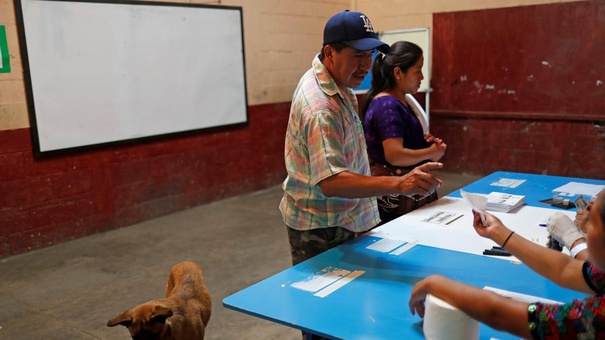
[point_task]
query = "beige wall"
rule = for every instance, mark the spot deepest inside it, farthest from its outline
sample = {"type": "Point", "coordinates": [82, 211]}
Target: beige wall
{"type": "Point", "coordinates": [281, 38]}
{"type": "Point", "coordinates": [13, 112]}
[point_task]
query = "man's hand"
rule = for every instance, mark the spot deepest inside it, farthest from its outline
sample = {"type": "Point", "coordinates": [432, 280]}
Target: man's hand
{"type": "Point", "coordinates": [419, 181]}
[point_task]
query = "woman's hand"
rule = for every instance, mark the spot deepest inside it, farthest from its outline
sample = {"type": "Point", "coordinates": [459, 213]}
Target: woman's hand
{"type": "Point", "coordinates": [488, 230]}
{"type": "Point", "coordinates": [429, 138]}
{"type": "Point", "coordinates": [583, 217]}
{"type": "Point", "coordinates": [418, 296]}
{"type": "Point", "coordinates": [437, 150]}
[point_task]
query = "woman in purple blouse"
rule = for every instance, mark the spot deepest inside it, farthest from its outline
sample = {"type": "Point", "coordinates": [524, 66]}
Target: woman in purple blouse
{"type": "Point", "coordinates": [579, 319]}
{"type": "Point", "coordinates": [394, 134]}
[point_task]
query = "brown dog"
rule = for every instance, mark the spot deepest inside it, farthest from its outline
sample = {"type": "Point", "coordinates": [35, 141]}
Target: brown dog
{"type": "Point", "coordinates": [183, 314]}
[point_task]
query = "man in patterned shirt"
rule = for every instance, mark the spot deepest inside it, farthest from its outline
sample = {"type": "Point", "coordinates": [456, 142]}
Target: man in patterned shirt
{"type": "Point", "coordinates": [329, 195]}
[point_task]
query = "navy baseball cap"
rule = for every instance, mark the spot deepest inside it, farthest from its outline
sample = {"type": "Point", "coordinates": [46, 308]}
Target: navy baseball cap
{"type": "Point", "coordinates": [355, 30]}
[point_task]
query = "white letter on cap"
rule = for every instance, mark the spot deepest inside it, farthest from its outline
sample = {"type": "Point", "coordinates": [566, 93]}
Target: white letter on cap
{"type": "Point", "coordinates": [367, 24]}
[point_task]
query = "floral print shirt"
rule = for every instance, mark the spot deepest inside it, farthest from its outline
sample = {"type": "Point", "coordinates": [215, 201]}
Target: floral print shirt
{"type": "Point", "coordinates": [580, 319]}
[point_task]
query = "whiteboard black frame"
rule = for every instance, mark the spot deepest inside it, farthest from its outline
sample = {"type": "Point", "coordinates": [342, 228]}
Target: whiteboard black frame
{"type": "Point", "coordinates": [34, 112]}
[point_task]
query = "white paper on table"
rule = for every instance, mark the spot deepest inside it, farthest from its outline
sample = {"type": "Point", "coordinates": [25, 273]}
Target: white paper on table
{"type": "Point", "coordinates": [326, 277]}
{"type": "Point", "coordinates": [508, 182]}
{"type": "Point", "coordinates": [477, 202]}
{"type": "Point", "coordinates": [385, 245]}
{"type": "Point", "coordinates": [443, 217]}
{"type": "Point", "coordinates": [576, 188]}
{"type": "Point", "coordinates": [503, 202]}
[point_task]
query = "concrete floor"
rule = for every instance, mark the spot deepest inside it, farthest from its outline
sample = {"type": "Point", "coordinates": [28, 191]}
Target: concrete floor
{"type": "Point", "coordinates": [70, 290]}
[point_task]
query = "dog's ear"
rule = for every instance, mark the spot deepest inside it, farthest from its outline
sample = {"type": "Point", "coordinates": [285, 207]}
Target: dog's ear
{"type": "Point", "coordinates": [124, 319]}
{"type": "Point", "coordinates": [160, 314]}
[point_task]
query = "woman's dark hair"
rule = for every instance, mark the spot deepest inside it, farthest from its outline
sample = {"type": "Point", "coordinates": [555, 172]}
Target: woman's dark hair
{"type": "Point", "coordinates": [404, 55]}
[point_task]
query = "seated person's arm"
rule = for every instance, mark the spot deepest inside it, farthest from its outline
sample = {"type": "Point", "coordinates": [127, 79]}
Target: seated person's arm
{"type": "Point", "coordinates": [553, 265]}
{"type": "Point", "coordinates": [499, 312]}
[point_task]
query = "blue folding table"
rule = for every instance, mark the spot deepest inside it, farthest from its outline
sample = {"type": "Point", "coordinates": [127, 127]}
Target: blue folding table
{"type": "Point", "coordinates": [534, 187]}
{"type": "Point", "coordinates": [360, 289]}
{"type": "Point", "coordinates": [374, 305]}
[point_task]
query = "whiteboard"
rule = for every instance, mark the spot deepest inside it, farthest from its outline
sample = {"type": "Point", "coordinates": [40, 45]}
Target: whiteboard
{"type": "Point", "coordinates": [106, 72]}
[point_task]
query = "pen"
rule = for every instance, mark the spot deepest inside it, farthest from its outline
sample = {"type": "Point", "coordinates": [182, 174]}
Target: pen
{"type": "Point", "coordinates": [496, 252]}
{"type": "Point", "coordinates": [448, 223]}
